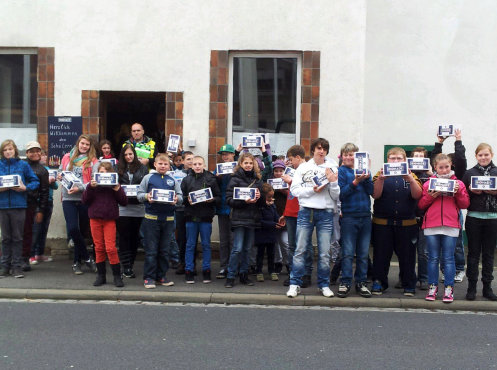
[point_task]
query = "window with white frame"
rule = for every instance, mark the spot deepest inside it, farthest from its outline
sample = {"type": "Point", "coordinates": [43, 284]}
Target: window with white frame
{"type": "Point", "coordinates": [264, 97]}
{"type": "Point", "coordinates": [18, 88]}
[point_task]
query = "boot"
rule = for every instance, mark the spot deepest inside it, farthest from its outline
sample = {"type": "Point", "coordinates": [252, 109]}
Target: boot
{"type": "Point", "coordinates": [471, 293]}
{"type": "Point", "coordinates": [100, 274]}
{"type": "Point", "coordinates": [116, 271]}
{"type": "Point", "coordinates": [245, 280]}
{"type": "Point", "coordinates": [488, 292]}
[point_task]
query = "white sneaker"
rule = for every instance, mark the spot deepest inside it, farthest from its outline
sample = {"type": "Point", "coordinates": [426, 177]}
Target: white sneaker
{"type": "Point", "coordinates": [326, 291]}
{"type": "Point", "coordinates": [293, 291]}
{"type": "Point", "coordinates": [459, 276]}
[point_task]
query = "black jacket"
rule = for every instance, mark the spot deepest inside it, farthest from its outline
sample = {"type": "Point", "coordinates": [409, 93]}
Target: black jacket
{"type": "Point", "coordinates": [38, 198]}
{"type": "Point", "coordinates": [204, 211]}
{"type": "Point", "coordinates": [269, 219]}
{"type": "Point", "coordinates": [478, 202]}
{"type": "Point", "coordinates": [460, 163]}
{"type": "Point", "coordinates": [137, 179]}
{"type": "Point", "coordinates": [242, 213]}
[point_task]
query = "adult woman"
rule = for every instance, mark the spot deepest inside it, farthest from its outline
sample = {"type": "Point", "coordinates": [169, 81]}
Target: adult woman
{"type": "Point", "coordinates": [131, 172]}
{"type": "Point", "coordinates": [79, 161]}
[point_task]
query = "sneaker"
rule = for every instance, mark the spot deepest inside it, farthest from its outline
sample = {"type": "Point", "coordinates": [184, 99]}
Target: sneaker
{"type": "Point", "coordinates": [17, 273]}
{"type": "Point", "coordinates": [362, 290]}
{"type": "Point", "coordinates": [409, 292]}
{"type": "Point", "coordinates": [432, 293]}
{"type": "Point", "coordinates": [260, 278]}
{"type": "Point", "coordinates": [293, 291]}
{"type": "Point", "coordinates": [76, 268]}
{"type": "Point", "coordinates": [448, 294]}
{"type": "Point", "coordinates": [326, 292]}
{"type": "Point", "coordinates": [164, 282]}
{"type": "Point", "coordinates": [206, 274]}
{"type": "Point", "coordinates": [44, 258]}
{"type": "Point", "coordinates": [149, 284]}
{"type": "Point", "coordinates": [189, 277]}
{"type": "Point", "coordinates": [91, 265]}
{"type": "Point", "coordinates": [459, 276]}
{"type": "Point", "coordinates": [129, 273]}
{"type": "Point", "coordinates": [222, 274]}
{"type": "Point", "coordinates": [343, 290]}
{"type": "Point", "coordinates": [377, 288]}
{"type": "Point", "coordinates": [230, 283]}
{"type": "Point", "coordinates": [33, 261]}
{"type": "Point", "coordinates": [274, 276]}
{"type": "Point", "coordinates": [306, 281]}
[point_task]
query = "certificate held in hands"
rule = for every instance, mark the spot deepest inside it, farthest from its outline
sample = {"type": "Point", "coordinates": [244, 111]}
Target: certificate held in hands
{"type": "Point", "coordinates": [446, 130]}
{"type": "Point", "coordinates": [10, 181]}
{"type": "Point", "coordinates": [361, 163]}
{"type": "Point", "coordinates": [52, 174]}
{"type": "Point", "coordinates": [131, 191]}
{"type": "Point", "coordinates": [243, 193]}
{"type": "Point", "coordinates": [483, 182]}
{"type": "Point", "coordinates": [277, 184]}
{"type": "Point", "coordinates": [225, 168]}
{"type": "Point", "coordinates": [418, 164]}
{"type": "Point", "coordinates": [69, 179]}
{"type": "Point", "coordinates": [173, 143]}
{"type": "Point", "coordinates": [395, 169]}
{"type": "Point", "coordinates": [199, 196]}
{"type": "Point", "coordinates": [442, 185]}
{"type": "Point", "coordinates": [106, 178]}
{"type": "Point", "coordinates": [252, 141]}
{"type": "Point", "coordinates": [163, 195]}
{"type": "Point", "coordinates": [289, 171]}
{"type": "Point", "coordinates": [320, 180]}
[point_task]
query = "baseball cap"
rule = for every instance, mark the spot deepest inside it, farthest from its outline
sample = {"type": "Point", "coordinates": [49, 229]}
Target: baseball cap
{"type": "Point", "coordinates": [226, 148]}
{"type": "Point", "coordinates": [33, 144]}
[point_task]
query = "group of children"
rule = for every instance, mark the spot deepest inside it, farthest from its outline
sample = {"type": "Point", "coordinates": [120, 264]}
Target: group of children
{"type": "Point", "coordinates": [408, 218]}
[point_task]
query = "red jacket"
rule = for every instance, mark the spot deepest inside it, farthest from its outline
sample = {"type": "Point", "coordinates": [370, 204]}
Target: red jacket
{"type": "Point", "coordinates": [443, 210]}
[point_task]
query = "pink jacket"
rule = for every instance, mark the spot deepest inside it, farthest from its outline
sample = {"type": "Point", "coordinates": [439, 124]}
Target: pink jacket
{"type": "Point", "coordinates": [86, 172]}
{"type": "Point", "coordinates": [443, 210]}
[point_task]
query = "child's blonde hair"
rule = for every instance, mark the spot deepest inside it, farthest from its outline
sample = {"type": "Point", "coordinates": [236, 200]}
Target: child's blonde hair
{"type": "Point", "coordinates": [441, 157]}
{"type": "Point", "coordinates": [257, 171]}
{"type": "Point", "coordinates": [106, 165]}
{"type": "Point", "coordinates": [6, 143]}
{"type": "Point", "coordinates": [349, 147]}
{"type": "Point", "coordinates": [162, 156]}
{"type": "Point", "coordinates": [397, 150]}
{"type": "Point", "coordinates": [483, 146]}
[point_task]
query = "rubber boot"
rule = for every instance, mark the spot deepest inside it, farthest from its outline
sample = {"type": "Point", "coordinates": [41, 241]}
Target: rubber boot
{"type": "Point", "coordinates": [116, 271]}
{"type": "Point", "coordinates": [471, 293]}
{"type": "Point", "coordinates": [488, 292]}
{"type": "Point", "coordinates": [100, 274]}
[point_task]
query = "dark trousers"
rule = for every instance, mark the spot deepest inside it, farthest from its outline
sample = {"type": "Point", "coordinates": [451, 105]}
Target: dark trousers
{"type": "Point", "coordinates": [181, 235]}
{"type": "Point", "coordinates": [225, 240]}
{"type": "Point", "coordinates": [129, 239]}
{"type": "Point", "coordinates": [12, 226]}
{"type": "Point", "coordinates": [28, 237]}
{"type": "Point", "coordinates": [157, 245]}
{"type": "Point", "coordinates": [269, 249]}
{"type": "Point", "coordinates": [40, 232]}
{"type": "Point", "coordinates": [482, 238]}
{"type": "Point", "coordinates": [76, 214]}
{"type": "Point", "coordinates": [401, 240]}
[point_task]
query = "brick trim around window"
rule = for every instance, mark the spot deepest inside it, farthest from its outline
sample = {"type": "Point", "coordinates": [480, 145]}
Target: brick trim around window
{"type": "Point", "coordinates": [218, 101]}
{"type": "Point", "coordinates": [45, 95]}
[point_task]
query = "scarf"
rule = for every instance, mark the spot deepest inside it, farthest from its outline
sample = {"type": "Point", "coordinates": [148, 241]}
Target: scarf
{"type": "Point", "coordinates": [490, 200]}
{"type": "Point", "coordinates": [447, 176]}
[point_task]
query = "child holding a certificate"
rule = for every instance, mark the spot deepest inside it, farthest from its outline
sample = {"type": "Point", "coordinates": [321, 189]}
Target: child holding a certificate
{"type": "Point", "coordinates": [441, 227]}
{"type": "Point", "coordinates": [103, 210]}
{"type": "Point", "coordinates": [245, 215]}
{"type": "Point", "coordinates": [481, 225]}
{"type": "Point", "coordinates": [199, 212]}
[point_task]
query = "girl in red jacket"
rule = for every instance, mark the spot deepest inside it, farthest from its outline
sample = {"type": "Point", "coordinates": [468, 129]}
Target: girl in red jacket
{"type": "Point", "coordinates": [441, 227]}
{"type": "Point", "coordinates": [103, 211]}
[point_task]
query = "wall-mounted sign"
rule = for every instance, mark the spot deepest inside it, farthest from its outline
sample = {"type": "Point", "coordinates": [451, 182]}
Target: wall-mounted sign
{"type": "Point", "coordinates": [62, 135]}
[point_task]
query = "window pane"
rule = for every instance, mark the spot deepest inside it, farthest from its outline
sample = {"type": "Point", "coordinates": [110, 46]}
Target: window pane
{"type": "Point", "coordinates": [17, 89]}
{"type": "Point", "coordinates": [264, 94]}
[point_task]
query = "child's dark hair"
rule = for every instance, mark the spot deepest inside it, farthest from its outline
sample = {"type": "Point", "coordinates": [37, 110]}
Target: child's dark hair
{"type": "Point", "coordinates": [102, 143]}
{"type": "Point", "coordinates": [123, 166]}
{"type": "Point", "coordinates": [420, 149]}
{"type": "Point", "coordinates": [296, 150]}
{"type": "Point", "coordinates": [185, 153]}
{"type": "Point", "coordinates": [325, 144]}
{"type": "Point", "coordinates": [266, 188]}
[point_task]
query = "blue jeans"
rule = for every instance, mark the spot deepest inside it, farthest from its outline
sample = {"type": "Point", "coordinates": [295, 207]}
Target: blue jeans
{"type": "Point", "coordinates": [243, 239]}
{"type": "Point", "coordinates": [356, 236]}
{"type": "Point", "coordinates": [157, 244]}
{"type": "Point", "coordinates": [192, 230]}
{"type": "Point", "coordinates": [76, 214]}
{"type": "Point", "coordinates": [422, 257]}
{"type": "Point", "coordinates": [291, 227]}
{"type": "Point", "coordinates": [322, 220]}
{"type": "Point", "coordinates": [447, 245]}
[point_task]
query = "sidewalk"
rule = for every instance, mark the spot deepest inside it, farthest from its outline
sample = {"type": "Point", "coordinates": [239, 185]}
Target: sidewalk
{"type": "Point", "coordinates": [55, 280]}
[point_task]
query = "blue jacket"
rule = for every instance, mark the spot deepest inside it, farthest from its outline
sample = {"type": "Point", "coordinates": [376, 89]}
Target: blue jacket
{"type": "Point", "coordinates": [11, 198]}
{"type": "Point", "coordinates": [356, 200]}
{"type": "Point", "coordinates": [223, 181]}
{"type": "Point", "coordinates": [159, 211]}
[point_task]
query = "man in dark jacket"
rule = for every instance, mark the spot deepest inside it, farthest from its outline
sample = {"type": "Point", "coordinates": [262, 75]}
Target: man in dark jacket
{"type": "Point", "coordinates": [198, 216]}
{"type": "Point", "coordinates": [37, 201]}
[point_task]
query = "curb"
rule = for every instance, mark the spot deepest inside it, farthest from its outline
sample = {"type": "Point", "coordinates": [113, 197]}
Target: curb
{"type": "Point", "coordinates": [246, 299]}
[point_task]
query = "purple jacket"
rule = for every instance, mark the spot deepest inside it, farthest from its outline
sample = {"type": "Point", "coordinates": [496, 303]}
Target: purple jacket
{"type": "Point", "coordinates": [103, 202]}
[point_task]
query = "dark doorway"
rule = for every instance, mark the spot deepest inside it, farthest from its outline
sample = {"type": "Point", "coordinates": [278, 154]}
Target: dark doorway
{"type": "Point", "coordinates": [120, 109]}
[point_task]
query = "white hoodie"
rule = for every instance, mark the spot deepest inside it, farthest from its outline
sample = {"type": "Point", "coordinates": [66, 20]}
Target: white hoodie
{"type": "Point", "coordinates": [303, 186]}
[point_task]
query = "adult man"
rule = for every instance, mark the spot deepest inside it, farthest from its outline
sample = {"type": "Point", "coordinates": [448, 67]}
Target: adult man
{"type": "Point", "coordinates": [316, 210]}
{"type": "Point", "coordinates": [144, 146]}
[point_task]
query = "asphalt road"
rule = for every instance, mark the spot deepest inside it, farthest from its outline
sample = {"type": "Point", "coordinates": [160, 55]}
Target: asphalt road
{"type": "Point", "coordinates": [79, 335]}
